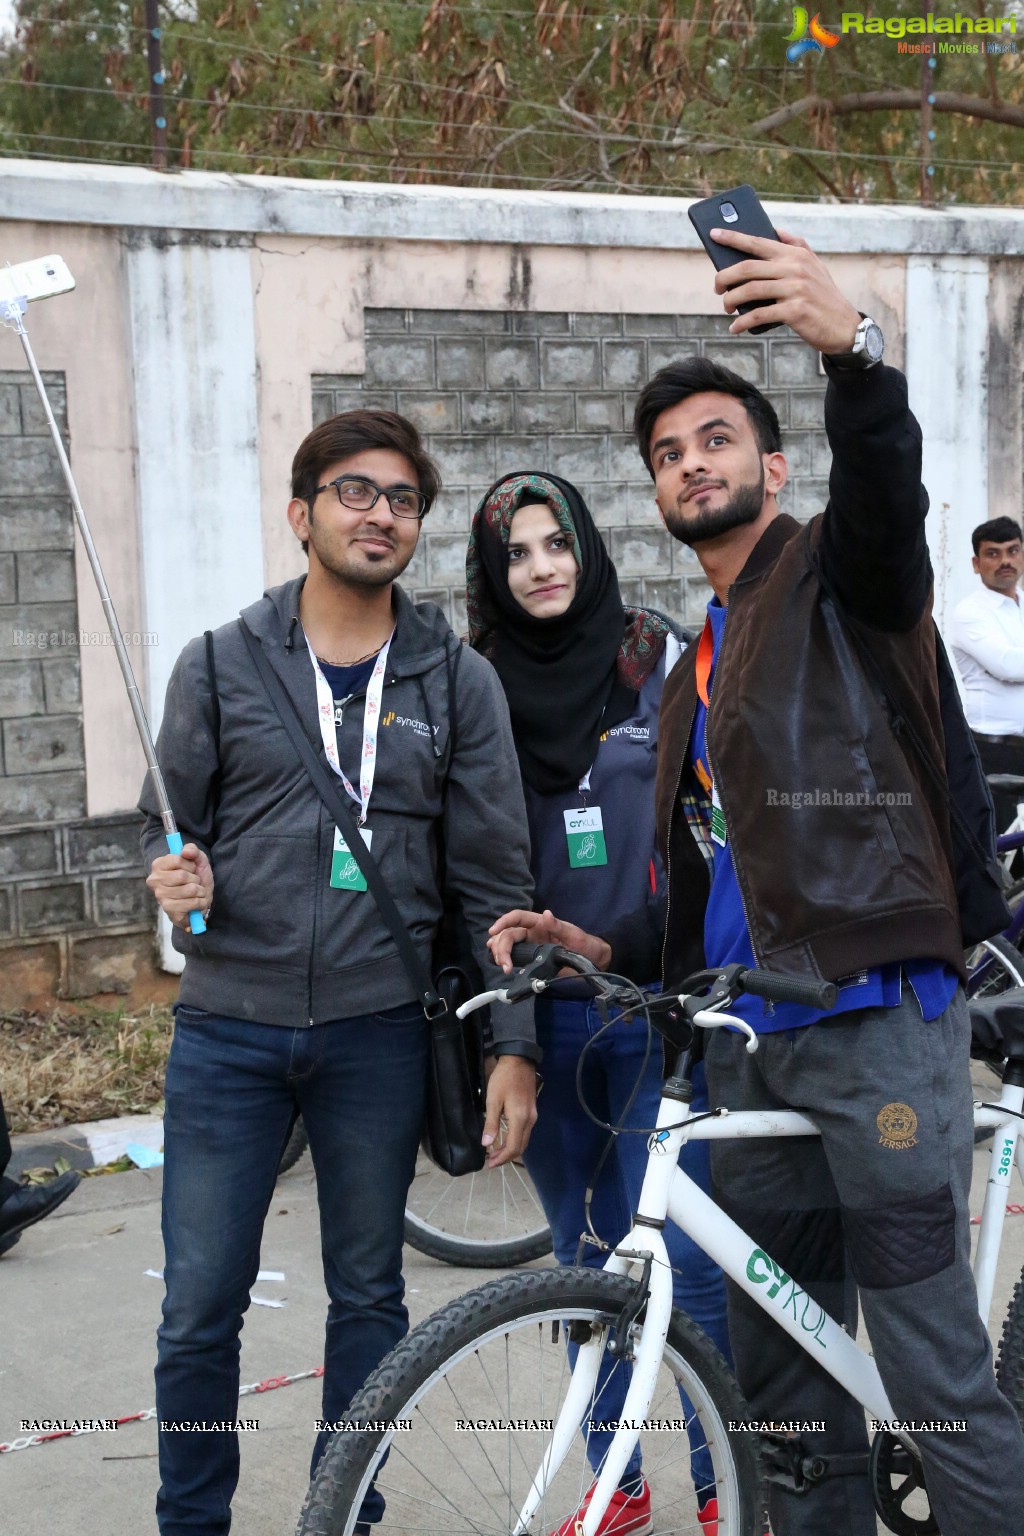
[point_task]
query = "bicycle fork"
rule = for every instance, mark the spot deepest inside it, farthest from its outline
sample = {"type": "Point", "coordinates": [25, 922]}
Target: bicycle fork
{"type": "Point", "coordinates": [644, 1245]}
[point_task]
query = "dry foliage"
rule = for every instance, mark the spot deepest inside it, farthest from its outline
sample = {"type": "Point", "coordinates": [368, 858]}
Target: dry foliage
{"type": "Point", "coordinates": [643, 95]}
{"type": "Point", "coordinates": [64, 1067]}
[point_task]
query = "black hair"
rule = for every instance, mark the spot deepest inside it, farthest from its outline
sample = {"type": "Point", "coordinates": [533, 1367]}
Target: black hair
{"type": "Point", "coordinates": [700, 376]}
{"type": "Point", "coordinates": [351, 432]}
{"type": "Point", "coordinates": [1001, 530]}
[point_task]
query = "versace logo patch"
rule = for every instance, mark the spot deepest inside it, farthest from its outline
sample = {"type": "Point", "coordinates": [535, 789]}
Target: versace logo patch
{"type": "Point", "coordinates": [897, 1124]}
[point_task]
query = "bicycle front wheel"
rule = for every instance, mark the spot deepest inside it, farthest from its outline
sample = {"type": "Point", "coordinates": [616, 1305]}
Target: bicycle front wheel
{"type": "Point", "coordinates": [487, 1220]}
{"type": "Point", "coordinates": [1010, 1357]}
{"type": "Point", "coordinates": [294, 1148]}
{"type": "Point", "coordinates": [479, 1385]}
{"type": "Point", "coordinates": [994, 966]}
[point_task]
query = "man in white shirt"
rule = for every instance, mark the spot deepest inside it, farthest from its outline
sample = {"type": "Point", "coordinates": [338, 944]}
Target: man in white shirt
{"type": "Point", "coordinates": [987, 639]}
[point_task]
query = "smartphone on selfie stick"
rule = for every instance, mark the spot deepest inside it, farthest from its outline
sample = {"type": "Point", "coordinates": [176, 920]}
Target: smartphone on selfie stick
{"type": "Point", "coordinates": [739, 209]}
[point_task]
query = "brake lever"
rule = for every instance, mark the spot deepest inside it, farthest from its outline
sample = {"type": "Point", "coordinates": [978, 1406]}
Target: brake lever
{"type": "Point", "coordinates": [716, 1018]}
{"type": "Point", "coordinates": [481, 1000]}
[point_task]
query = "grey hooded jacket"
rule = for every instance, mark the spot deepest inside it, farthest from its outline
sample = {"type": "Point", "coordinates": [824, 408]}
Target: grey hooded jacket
{"type": "Point", "coordinates": [281, 946]}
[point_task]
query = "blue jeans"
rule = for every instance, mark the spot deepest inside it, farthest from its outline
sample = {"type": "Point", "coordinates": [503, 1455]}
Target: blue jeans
{"type": "Point", "coordinates": [563, 1153]}
{"type": "Point", "coordinates": [233, 1092]}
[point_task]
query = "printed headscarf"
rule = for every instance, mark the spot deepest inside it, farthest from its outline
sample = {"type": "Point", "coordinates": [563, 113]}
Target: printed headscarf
{"type": "Point", "coordinates": [568, 678]}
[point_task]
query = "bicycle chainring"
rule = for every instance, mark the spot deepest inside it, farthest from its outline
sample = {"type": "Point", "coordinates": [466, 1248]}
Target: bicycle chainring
{"type": "Point", "coordinates": [896, 1474]}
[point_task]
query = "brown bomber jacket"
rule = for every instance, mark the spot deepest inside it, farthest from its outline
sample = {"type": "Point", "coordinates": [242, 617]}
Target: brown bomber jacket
{"type": "Point", "coordinates": [840, 840]}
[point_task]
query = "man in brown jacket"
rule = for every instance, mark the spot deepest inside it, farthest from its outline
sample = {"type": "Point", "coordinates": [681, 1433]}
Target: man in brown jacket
{"type": "Point", "coordinates": [804, 814]}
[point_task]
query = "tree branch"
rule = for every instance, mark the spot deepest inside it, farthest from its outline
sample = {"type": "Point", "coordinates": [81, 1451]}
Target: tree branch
{"type": "Point", "coordinates": [884, 101]}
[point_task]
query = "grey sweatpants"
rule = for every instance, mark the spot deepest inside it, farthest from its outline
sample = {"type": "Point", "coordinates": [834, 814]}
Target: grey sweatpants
{"type": "Point", "coordinates": [876, 1208]}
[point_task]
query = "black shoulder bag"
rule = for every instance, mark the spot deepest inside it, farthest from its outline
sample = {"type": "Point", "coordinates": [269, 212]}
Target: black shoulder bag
{"type": "Point", "coordinates": [455, 1088]}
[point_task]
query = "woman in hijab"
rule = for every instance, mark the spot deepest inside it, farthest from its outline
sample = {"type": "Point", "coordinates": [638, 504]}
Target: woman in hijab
{"type": "Point", "coordinates": [583, 677]}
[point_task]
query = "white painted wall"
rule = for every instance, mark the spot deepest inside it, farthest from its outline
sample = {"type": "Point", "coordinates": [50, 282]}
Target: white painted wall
{"type": "Point", "coordinates": [947, 358]}
{"type": "Point", "coordinates": [194, 351]}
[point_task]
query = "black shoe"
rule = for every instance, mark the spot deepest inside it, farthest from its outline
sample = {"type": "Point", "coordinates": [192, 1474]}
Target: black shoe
{"type": "Point", "coordinates": [30, 1204]}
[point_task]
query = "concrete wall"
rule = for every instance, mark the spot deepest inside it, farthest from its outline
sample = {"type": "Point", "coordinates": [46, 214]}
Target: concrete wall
{"type": "Point", "coordinates": [207, 335]}
{"type": "Point", "coordinates": [75, 919]}
{"type": "Point", "coordinates": [497, 391]}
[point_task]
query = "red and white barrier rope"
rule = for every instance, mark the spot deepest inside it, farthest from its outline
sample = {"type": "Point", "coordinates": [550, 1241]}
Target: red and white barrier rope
{"type": "Point", "coordinates": [91, 1427]}
{"type": "Point", "coordinates": [1011, 1210]}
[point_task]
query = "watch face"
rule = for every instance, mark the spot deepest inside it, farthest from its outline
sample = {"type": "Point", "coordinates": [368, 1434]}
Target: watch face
{"type": "Point", "coordinates": [874, 343]}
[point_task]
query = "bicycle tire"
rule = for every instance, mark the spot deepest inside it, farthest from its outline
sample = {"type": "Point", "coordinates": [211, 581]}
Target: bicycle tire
{"type": "Point", "coordinates": [497, 1352]}
{"type": "Point", "coordinates": [294, 1147]}
{"type": "Point", "coordinates": [487, 1220]}
{"type": "Point", "coordinates": [1010, 1357]}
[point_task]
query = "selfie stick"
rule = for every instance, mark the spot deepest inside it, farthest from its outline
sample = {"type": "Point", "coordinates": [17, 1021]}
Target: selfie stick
{"type": "Point", "coordinates": [12, 311]}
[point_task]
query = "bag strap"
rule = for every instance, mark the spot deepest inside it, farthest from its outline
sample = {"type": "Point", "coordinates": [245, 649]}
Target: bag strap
{"type": "Point", "coordinates": [452, 659]}
{"type": "Point", "coordinates": [901, 725]}
{"type": "Point", "coordinates": [211, 678]}
{"type": "Point", "coordinates": [333, 796]}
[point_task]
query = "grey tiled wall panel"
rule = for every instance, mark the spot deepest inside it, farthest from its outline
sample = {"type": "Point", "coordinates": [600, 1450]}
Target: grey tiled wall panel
{"type": "Point", "coordinates": [494, 392]}
{"type": "Point", "coordinates": [63, 876]}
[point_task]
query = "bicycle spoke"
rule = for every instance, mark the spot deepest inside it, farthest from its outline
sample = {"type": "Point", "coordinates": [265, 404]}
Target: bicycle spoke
{"type": "Point", "coordinates": [502, 1361]}
{"type": "Point", "coordinates": [494, 1218]}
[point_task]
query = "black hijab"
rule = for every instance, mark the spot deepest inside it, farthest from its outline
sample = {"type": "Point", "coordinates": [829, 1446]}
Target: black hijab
{"type": "Point", "coordinates": [562, 676]}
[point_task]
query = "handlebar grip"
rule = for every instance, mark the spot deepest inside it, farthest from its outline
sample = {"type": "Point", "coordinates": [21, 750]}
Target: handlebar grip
{"type": "Point", "coordinates": [775, 987]}
{"type": "Point", "coordinates": [523, 952]}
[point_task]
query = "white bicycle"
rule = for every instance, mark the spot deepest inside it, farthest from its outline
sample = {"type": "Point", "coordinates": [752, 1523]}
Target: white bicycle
{"type": "Point", "coordinates": [478, 1422]}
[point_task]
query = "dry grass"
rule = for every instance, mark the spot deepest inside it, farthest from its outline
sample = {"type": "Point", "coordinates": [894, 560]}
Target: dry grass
{"type": "Point", "coordinates": [62, 1067]}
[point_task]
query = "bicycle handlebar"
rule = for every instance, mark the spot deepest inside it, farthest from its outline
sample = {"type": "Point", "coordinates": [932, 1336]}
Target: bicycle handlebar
{"type": "Point", "coordinates": [776, 987]}
{"type": "Point", "coordinates": [544, 961]}
{"type": "Point", "coordinates": [1012, 782]}
{"type": "Point", "coordinates": [551, 957]}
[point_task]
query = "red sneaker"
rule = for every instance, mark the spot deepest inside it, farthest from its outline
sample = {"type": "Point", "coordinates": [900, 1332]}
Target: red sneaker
{"type": "Point", "coordinates": [626, 1515]}
{"type": "Point", "coordinates": [707, 1518]}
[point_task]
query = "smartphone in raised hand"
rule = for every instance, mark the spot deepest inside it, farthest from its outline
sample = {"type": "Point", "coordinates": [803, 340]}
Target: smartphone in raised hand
{"type": "Point", "coordinates": [739, 209]}
{"type": "Point", "coordinates": [38, 279]}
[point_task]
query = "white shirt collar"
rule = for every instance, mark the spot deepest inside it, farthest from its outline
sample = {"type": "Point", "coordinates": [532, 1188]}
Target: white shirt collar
{"type": "Point", "coordinates": [988, 594]}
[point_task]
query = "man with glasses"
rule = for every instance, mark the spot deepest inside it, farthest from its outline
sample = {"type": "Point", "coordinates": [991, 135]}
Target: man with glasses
{"type": "Point", "coordinates": [295, 1000]}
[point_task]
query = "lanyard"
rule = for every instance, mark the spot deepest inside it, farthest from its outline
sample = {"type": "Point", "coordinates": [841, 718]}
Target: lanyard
{"type": "Point", "coordinates": [371, 717]}
{"type": "Point", "coordinates": [705, 654]}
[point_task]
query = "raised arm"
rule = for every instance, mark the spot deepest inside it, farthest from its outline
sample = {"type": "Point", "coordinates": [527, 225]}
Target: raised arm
{"type": "Point", "coordinates": [873, 537]}
{"type": "Point", "coordinates": [873, 542]}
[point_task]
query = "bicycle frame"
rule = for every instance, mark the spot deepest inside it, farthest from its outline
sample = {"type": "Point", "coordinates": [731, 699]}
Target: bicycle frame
{"type": "Point", "coordinates": [1009, 843]}
{"type": "Point", "coordinates": [1007, 1151]}
{"type": "Point", "coordinates": [668, 1191]}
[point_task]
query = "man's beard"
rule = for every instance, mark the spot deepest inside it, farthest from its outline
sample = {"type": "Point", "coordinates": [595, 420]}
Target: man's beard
{"type": "Point", "coordinates": [352, 570]}
{"type": "Point", "coordinates": [744, 506]}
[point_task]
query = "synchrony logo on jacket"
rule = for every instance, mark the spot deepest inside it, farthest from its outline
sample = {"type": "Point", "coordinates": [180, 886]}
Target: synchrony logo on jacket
{"type": "Point", "coordinates": [419, 726]}
{"type": "Point", "coordinates": [634, 732]}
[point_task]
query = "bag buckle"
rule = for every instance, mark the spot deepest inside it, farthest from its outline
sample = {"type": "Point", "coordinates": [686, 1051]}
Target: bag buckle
{"type": "Point", "coordinates": [435, 1010]}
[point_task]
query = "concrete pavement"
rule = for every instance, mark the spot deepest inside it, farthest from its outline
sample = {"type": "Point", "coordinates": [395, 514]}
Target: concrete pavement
{"type": "Point", "coordinates": [80, 1317]}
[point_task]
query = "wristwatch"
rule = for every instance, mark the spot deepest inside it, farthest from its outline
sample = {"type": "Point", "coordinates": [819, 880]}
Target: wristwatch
{"type": "Point", "coordinates": [867, 349]}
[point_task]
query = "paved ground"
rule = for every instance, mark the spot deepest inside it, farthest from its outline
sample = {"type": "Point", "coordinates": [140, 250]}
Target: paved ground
{"type": "Point", "coordinates": [79, 1316]}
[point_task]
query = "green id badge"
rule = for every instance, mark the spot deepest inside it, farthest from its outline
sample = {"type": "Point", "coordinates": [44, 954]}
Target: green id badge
{"type": "Point", "coordinates": [345, 872]}
{"type": "Point", "coordinates": [584, 833]}
{"type": "Point", "coordinates": [718, 832]}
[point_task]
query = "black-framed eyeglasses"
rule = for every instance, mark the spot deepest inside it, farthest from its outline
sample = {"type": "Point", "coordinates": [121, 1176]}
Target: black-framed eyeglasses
{"type": "Point", "coordinates": [360, 494]}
